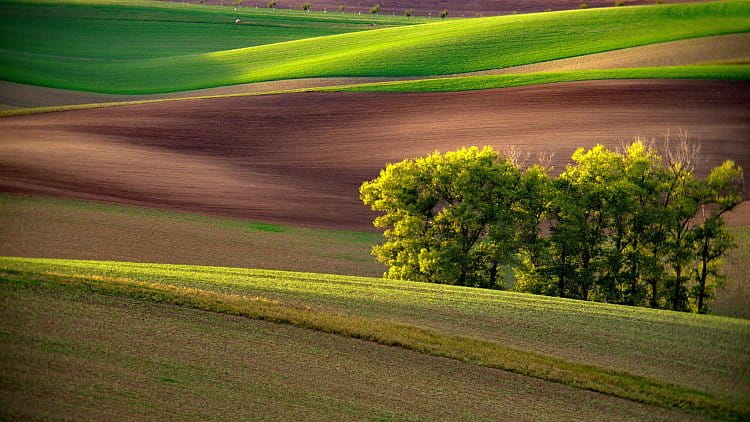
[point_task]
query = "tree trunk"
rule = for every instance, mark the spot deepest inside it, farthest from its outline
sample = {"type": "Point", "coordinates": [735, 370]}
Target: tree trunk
{"type": "Point", "coordinates": [704, 274]}
{"type": "Point", "coordinates": [676, 302]}
{"type": "Point", "coordinates": [654, 284]}
{"type": "Point", "coordinates": [462, 277]}
{"type": "Point", "coordinates": [493, 275]}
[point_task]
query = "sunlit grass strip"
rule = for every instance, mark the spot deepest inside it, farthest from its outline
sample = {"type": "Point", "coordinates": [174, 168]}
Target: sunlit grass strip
{"type": "Point", "coordinates": [468, 83]}
{"type": "Point", "coordinates": [457, 83]}
{"type": "Point", "coordinates": [410, 337]}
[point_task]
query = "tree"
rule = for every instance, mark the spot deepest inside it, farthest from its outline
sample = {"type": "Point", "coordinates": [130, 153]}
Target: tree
{"type": "Point", "coordinates": [719, 192]}
{"type": "Point", "coordinates": [626, 226]}
{"type": "Point", "coordinates": [306, 7]}
{"type": "Point", "coordinates": [448, 218]}
{"type": "Point", "coordinates": [375, 9]}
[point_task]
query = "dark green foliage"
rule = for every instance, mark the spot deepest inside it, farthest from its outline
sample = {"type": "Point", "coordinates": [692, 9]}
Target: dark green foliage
{"type": "Point", "coordinates": [625, 227]}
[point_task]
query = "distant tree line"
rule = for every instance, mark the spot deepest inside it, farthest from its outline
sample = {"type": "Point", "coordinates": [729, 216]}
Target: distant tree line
{"type": "Point", "coordinates": [628, 226]}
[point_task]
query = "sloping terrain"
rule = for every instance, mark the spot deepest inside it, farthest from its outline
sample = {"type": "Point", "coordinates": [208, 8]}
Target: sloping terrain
{"type": "Point", "coordinates": [59, 228]}
{"type": "Point", "coordinates": [449, 47]}
{"type": "Point", "coordinates": [465, 8]}
{"type": "Point", "coordinates": [733, 48]}
{"type": "Point", "coordinates": [300, 158]}
{"type": "Point", "coordinates": [103, 357]}
{"type": "Point", "coordinates": [698, 352]}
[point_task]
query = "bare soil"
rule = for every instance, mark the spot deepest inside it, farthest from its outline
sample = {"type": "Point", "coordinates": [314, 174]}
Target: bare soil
{"type": "Point", "coordinates": [300, 158]}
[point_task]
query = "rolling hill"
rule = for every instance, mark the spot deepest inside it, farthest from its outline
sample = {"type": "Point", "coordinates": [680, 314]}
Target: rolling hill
{"type": "Point", "coordinates": [447, 47]}
{"type": "Point", "coordinates": [606, 348]}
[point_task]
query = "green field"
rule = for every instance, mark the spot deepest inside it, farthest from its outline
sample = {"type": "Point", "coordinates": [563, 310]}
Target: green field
{"type": "Point", "coordinates": [113, 357]}
{"type": "Point", "coordinates": [599, 347]}
{"type": "Point", "coordinates": [464, 83]}
{"type": "Point", "coordinates": [712, 359]}
{"type": "Point", "coordinates": [467, 83]}
{"type": "Point", "coordinates": [108, 31]}
{"type": "Point", "coordinates": [445, 47]}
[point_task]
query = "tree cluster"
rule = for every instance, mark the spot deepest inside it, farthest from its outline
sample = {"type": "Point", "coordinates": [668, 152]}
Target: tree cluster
{"type": "Point", "coordinates": [629, 226]}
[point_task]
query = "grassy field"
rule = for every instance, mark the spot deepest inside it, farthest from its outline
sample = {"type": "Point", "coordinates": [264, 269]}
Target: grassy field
{"type": "Point", "coordinates": [462, 83]}
{"type": "Point", "coordinates": [104, 357]}
{"type": "Point", "coordinates": [445, 47]}
{"type": "Point", "coordinates": [99, 30]}
{"type": "Point", "coordinates": [387, 329]}
{"type": "Point", "coordinates": [634, 340]}
{"type": "Point", "coordinates": [467, 83]}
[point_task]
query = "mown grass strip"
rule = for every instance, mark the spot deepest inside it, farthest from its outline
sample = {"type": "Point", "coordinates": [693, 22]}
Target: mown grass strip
{"type": "Point", "coordinates": [457, 83]}
{"type": "Point", "coordinates": [410, 337]}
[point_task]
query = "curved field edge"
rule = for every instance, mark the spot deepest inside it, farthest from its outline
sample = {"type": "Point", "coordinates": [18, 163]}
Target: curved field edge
{"type": "Point", "coordinates": [459, 83]}
{"type": "Point", "coordinates": [449, 47]}
{"type": "Point", "coordinates": [476, 351]}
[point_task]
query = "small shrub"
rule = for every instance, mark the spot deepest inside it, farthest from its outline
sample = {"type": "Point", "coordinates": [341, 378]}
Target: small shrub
{"type": "Point", "coordinates": [619, 3]}
{"type": "Point", "coordinates": [443, 13]}
{"type": "Point", "coordinates": [341, 8]}
{"type": "Point", "coordinates": [408, 13]}
{"type": "Point", "coordinates": [306, 7]}
{"type": "Point", "coordinates": [658, 1]}
{"type": "Point", "coordinates": [375, 9]}
{"type": "Point", "coordinates": [272, 4]}
{"type": "Point", "coordinates": [583, 6]}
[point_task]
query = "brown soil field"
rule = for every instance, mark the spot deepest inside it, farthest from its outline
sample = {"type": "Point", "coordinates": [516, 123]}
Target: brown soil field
{"type": "Point", "coordinates": [58, 228]}
{"type": "Point", "coordinates": [717, 49]}
{"type": "Point", "coordinates": [466, 8]}
{"type": "Point", "coordinates": [103, 358]}
{"type": "Point", "coordinates": [300, 158]}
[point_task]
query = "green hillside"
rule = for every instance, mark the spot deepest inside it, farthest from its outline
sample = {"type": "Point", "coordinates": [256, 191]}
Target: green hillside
{"type": "Point", "coordinates": [96, 30]}
{"type": "Point", "coordinates": [104, 357]}
{"type": "Point", "coordinates": [699, 352]}
{"type": "Point", "coordinates": [444, 47]}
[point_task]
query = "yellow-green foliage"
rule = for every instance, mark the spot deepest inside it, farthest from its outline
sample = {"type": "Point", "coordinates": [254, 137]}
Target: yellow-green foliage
{"type": "Point", "coordinates": [444, 47]}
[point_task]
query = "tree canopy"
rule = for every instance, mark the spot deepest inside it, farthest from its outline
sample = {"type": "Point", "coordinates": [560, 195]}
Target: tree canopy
{"type": "Point", "coordinates": [627, 226]}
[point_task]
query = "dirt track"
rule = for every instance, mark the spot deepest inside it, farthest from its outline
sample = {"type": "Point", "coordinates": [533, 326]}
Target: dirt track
{"type": "Point", "coordinates": [299, 158]}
